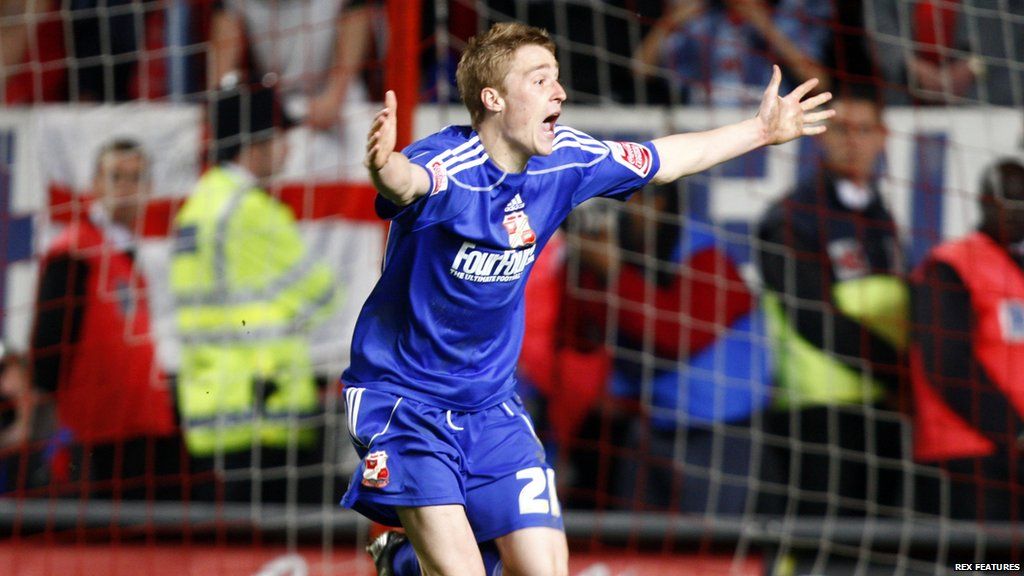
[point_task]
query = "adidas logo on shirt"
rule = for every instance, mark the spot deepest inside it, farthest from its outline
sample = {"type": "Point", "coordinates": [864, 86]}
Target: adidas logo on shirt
{"type": "Point", "coordinates": [515, 204]}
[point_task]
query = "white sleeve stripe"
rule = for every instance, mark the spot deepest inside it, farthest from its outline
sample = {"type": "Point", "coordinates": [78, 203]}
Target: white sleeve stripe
{"type": "Point", "coordinates": [567, 130]}
{"type": "Point", "coordinates": [353, 397]}
{"type": "Point", "coordinates": [467, 144]}
{"type": "Point", "coordinates": [572, 144]}
{"type": "Point", "coordinates": [467, 165]}
{"type": "Point", "coordinates": [447, 157]}
{"type": "Point", "coordinates": [561, 136]}
{"type": "Point", "coordinates": [472, 155]}
{"type": "Point", "coordinates": [571, 138]}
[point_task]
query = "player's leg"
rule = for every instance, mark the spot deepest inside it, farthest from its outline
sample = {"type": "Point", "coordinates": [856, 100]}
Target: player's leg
{"type": "Point", "coordinates": [443, 540]}
{"type": "Point", "coordinates": [534, 552]}
{"type": "Point", "coordinates": [393, 555]}
{"type": "Point", "coordinates": [410, 476]}
{"type": "Point", "coordinates": [510, 493]}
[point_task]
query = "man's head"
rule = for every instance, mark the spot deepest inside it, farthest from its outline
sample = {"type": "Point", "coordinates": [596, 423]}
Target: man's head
{"type": "Point", "coordinates": [121, 181]}
{"type": "Point", "coordinates": [508, 77]}
{"type": "Point", "coordinates": [855, 136]}
{"type": "Point", "coordinates": [247, 127]}
{"type": "Point", "coordinates": [1002, 201]}
{"type": "Point", "coordinates": [16, 398]}
{"type": "Point", "coordinates": [488, 60]}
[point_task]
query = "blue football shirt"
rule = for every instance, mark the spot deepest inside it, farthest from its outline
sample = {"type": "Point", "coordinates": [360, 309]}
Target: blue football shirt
{"type": "Point", "coordinates": [444, 324]}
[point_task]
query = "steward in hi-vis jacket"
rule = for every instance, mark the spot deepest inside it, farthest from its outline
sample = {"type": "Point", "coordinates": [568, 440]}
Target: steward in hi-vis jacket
{"type": "Point", "coordinates": [246, 291]}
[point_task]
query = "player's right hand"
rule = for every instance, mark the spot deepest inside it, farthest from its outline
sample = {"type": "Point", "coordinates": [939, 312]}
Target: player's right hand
{"type": "Point", "coordinates": [380, 142]}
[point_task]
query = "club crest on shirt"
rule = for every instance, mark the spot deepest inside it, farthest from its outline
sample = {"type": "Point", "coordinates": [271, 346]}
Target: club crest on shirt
{"type": "Point", "coordinates": [1011, 320]}
{"type": "Point", "coordinates": [375, 470]}
{"type": "Point", "coordinates": [633, 156]}
{"type": "Point", "coordinates": [439, 176]}
{"type": "Point", "coordinates": [848, 259]}
{"type": "Point", "coordinates": [517, 224]}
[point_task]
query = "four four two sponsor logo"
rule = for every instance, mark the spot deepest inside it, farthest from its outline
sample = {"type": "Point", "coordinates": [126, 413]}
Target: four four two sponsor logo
{"type": "Point", "coordinates": [505, 266]}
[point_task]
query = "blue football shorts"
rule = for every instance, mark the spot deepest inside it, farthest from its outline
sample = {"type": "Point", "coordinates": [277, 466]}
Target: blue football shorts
{"type": "Point", "coordinates": [413, 454]}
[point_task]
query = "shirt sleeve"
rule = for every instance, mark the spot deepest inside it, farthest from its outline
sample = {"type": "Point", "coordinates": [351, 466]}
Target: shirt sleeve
{"type": "Point", "coordinates": [442, 202]}
{"type": "Point", "coordinates": [60, 305]}
{"type": "Point", "coordinates": [610, 168]}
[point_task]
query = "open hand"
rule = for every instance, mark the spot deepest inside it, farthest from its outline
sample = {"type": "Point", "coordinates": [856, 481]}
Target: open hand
{"type": "Point", "coordinates": [789, 117]}
{"type": "Point", "coordinates": [380, 142]}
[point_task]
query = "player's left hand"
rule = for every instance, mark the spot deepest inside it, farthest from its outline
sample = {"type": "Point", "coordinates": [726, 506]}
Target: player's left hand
{"type": "Point", "coordinates": [789, 117]}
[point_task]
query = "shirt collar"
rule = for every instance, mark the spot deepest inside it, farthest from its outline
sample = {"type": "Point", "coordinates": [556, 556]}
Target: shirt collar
{"type": "Point", "coordinates": [241, 173]}
{"type": "Point", "coordinates": [854, 197]}
{"type": "Point", "coordinates": [116, 235]}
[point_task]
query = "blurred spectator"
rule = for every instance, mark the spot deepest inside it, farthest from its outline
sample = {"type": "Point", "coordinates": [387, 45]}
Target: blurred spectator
{"type": "Point", "coordinates": [315, 51]}
{"type": "Point", "coordinates": [22, 431]}
{"type": "Point", "coordinates": [967, 356]}
{"type": "Point", "coordinates": [847, 54]}
{"type": "Point", "coordinates": [92, 340]}
{"type": "Point", "coordinates": [563, 372]}
{"type": "Point", "coordinates": [720, 52]}
{"type": "Point", "coordinates": [836, 307]}
{"type": "Point", "coordinates": [949, 51]}
{"type": "Point", "coordinates": [111, 50]}
{"type": "Point", "coordinates": [595, 41]}
{"type": "Point", "coordinates": [32, 67]}
{"type": "Point", "coordinates": [246, 289]}
{"type": "Point", "coordinates": [691, 350]}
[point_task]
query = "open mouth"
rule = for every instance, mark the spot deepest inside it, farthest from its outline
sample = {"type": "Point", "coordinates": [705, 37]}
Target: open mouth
{"type": "Point", "coordinates": [549, 123]}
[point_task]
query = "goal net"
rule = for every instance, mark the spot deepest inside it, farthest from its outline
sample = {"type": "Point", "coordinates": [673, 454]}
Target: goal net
{"type": "Point", "coordinates": [722, 377]}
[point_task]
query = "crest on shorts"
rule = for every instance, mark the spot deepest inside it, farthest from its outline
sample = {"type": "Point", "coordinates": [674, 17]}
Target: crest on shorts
{"type": "Point", "coordinates": [375, 470]}
{"type": "Point", "coordinates": [517, 224]}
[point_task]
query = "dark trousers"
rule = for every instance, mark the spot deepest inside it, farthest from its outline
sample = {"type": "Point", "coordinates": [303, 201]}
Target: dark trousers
{"type": "Point", "coordinates": [698, 469]}
{"type": "Point", "coordinates": [266, 475]}
{"type": "Point", "coordinates": [990, 488]}
{"type": "Point", "coordinates": [823, 453]}
{"type": "Point", "coordinates": [142, 468]}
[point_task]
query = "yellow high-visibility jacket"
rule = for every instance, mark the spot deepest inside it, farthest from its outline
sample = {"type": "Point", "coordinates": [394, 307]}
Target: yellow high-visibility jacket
{"type": "Point", "coordinates": [246, 290]}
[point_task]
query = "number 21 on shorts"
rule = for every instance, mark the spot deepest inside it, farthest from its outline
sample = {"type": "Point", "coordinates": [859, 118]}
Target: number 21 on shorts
{"type": "Point", "coordinates": [531, 496]}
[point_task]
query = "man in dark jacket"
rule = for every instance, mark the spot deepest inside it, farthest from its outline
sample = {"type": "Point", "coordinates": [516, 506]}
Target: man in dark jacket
{"type": "Point", "coordinates": [836, 306]}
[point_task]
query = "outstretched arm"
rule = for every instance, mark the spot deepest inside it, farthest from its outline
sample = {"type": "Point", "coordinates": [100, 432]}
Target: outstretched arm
{"type": "Point", "coordinates": [780, 119]}
{"type": "Point", "coordinates": [394, 176]}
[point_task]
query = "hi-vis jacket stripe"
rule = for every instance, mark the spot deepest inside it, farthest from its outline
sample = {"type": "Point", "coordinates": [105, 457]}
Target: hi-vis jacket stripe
{"type": "Point", "coordinates": [283, 307]}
